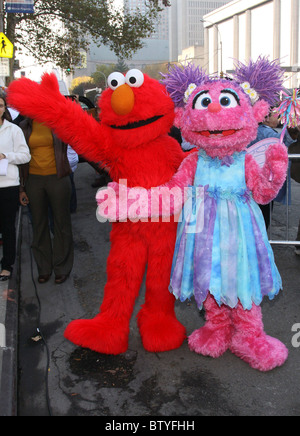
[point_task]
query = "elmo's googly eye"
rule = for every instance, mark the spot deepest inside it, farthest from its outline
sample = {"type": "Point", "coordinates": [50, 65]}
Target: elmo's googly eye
{"type": "Point", "coordinates": [115, 80]}
{"type": "Point", "coordinates": [134, 78]}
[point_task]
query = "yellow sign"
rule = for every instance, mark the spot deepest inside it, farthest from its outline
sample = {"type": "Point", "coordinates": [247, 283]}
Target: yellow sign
{"type": "Point", "coordinates": [6, 47]}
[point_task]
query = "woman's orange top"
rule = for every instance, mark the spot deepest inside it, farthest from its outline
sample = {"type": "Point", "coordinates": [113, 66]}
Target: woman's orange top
{"type": "Point", "coordinates": [42, 151]}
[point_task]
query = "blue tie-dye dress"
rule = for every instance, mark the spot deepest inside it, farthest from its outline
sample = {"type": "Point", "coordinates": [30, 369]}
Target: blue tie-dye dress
{"type": "Point", "coordinates": [222, 246]}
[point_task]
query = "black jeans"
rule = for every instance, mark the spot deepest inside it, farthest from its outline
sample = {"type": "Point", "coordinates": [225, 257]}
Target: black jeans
{"type": "Point", "coordinates": [266, 209]}
{"type": "Point", "coordinates": [9, 202]}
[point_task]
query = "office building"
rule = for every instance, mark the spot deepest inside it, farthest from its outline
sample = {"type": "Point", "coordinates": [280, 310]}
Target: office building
{"type": "Point", "coordinates": [246, 29]}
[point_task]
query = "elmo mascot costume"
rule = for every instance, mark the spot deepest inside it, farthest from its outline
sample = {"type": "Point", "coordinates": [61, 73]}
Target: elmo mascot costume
{"type": "Point", "coordinates": [222, 255]}
{"type": "Point", "coordinates": [132, 141]}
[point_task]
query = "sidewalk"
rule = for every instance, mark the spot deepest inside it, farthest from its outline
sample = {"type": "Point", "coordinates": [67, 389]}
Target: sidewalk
{"type": "Point", "coordinates": [9, 294]}
{"type": "Point", "coordinates": [57, 378]}
{"type": "Point", "coordinates": [3, 291]}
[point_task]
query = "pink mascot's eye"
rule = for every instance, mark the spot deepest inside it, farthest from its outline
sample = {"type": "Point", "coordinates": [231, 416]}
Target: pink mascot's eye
{"type": "Point", "coordinates": [202, 100]}
{"type": "Point", "coordinates": [229, 98]}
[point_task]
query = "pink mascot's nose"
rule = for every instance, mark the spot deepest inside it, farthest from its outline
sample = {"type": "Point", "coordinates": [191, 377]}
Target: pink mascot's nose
{"type": "Point", "coordinates": [214, 107]}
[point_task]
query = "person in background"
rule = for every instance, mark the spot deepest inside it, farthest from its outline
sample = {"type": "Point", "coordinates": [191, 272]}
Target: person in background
{"type": "Point", "coordinates": [46, 184]}
{"type": "Point", "coordinates": [73, 161]}
{"type": "Point", "coordinates": [13, 152]}
{"type": "Point", "coordinates": [295, 175]}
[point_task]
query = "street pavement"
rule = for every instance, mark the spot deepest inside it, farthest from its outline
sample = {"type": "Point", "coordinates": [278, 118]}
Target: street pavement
{"type": "Point", "coordinates": [9, 336]}
{"type": "Point", "coordinates": [58, 378]}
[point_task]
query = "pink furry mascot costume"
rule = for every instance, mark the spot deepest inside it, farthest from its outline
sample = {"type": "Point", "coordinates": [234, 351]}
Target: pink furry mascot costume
{"type": "Point", "coordinates": [132, 141]}
{"type": "Point", "coordinates": [222, 255]}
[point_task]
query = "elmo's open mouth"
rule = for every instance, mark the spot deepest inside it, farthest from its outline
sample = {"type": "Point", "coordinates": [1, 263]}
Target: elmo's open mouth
{"type": "Point", "coordinates": [209, 133]}
{"type": "Point", "coordinates": [136, 124]}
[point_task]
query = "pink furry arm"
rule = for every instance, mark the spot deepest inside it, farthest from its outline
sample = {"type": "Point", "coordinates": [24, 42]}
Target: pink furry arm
{"type": "Point", "coordinates": [266, 182]}
{"type": "Point", "coordinates": [118, 203]}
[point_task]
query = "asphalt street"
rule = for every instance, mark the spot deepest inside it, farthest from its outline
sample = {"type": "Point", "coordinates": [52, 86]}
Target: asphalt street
{"type": "Point", "coordinates": [57, 378]}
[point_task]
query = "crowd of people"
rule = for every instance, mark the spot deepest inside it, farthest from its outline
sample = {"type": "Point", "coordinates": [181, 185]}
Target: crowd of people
{"type": "Point", "coordinates": [36, 170]}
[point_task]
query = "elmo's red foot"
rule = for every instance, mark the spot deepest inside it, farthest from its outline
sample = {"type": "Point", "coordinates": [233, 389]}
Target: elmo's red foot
{"type": "Point", "coordinates": [99, 334]}
{"type": "Point", "coordinates": [160, 332]}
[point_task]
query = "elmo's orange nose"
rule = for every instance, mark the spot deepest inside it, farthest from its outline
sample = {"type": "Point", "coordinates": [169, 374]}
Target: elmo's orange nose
{"type": "Point", "coordinates": [122, 100]}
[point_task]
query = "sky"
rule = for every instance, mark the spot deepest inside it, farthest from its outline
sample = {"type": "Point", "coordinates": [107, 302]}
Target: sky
{"type": "Point", "coordinates": [118, 3]}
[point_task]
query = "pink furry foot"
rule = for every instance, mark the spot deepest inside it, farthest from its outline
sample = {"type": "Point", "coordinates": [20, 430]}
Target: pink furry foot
{"type": "Point", "coordinates": [160, 332]}
{"type": "Point", "coordinates": [261, 352]}
{"type": "Point", "coordinates": [210, 341]}
{"type": "Point", "coordinates": [252, 344]}
{"type": "Point", "coordinates": [214, 338]}
{"type": "Point", "coordinates": [99, 334]}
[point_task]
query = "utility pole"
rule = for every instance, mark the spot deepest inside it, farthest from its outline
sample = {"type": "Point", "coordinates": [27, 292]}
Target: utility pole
{"type": "Point", "coordinates": [2, 26]}
{"type": "Point", "coordinates": [1, 16]}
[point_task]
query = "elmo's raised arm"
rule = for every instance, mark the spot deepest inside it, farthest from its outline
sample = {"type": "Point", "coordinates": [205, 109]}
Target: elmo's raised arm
{"type": "Point", "coordinates": [44, 103]}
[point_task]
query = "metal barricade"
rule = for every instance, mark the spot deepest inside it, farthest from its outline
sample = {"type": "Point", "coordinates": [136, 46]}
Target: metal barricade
{"type": "Point", "coordinates": [288, 190]}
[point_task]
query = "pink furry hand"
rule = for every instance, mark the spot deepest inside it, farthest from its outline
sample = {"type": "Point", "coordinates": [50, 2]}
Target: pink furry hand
{"type": "Point", "coordinates": [266, 182]}
{"type": "Point", "coordinates": [277, 162]}
{"type": "Point", "coordinates": [118, 202]}
{"type": "Point", "coordinates": [106, 200]}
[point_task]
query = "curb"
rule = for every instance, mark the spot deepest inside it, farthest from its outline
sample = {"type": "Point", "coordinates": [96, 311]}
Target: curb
{"type": "Point", "coordinates": [9, 336]}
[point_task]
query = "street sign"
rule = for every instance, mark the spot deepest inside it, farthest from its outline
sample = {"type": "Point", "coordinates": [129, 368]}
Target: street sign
{"type": "Point", "coordinates": [6, 47]}
{"type": "Point", "coordinates": [20, 6]}
{"type": "Point", "coordinates": [4, 67]}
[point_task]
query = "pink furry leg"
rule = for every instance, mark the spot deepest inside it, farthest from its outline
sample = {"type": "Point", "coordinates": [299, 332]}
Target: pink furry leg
{"type": "Point", "coordinates": [250, 342]}
{"type": "Point", "coordinates": [214, 338]}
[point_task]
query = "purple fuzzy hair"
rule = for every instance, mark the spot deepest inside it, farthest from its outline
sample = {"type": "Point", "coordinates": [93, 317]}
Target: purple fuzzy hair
{"type": "Point", "coordinates": [178, 79]}
{"type": "Point", "coordinates": [264, 76]}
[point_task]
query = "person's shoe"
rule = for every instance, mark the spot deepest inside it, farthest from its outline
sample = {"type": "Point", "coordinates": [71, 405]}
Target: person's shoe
{"type": "Point", "coordinates": [5, 275]}
{"type": "Point", "coordinates": [4, 278]}
{"type": "Point", "coordinates": [61, 279]}
{"type": "Point", "coordinates": [297, 251]}
{"type": "Point", "coordinates": [44, 278]}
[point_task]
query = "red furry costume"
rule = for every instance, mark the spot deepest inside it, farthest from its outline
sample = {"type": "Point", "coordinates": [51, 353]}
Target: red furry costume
{"type": "Point", "coordinates": [132, 141]}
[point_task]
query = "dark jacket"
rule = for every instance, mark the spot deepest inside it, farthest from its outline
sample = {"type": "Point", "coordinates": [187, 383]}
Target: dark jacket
{"type": "Point", "coordinates": [295, 167]}
{"type": "Point", "coordinates": [60, 150]}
